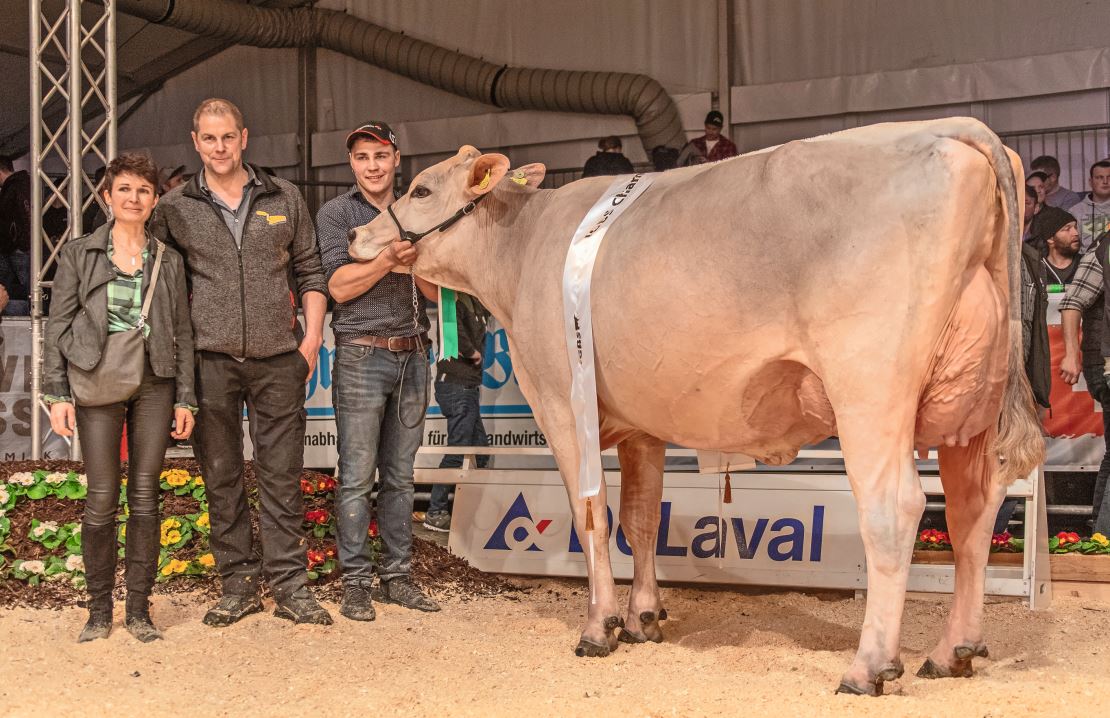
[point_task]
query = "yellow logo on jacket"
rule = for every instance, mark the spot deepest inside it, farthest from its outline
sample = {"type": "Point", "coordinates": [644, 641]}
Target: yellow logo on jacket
{"type": "Point", "coordinates": [272, 219]}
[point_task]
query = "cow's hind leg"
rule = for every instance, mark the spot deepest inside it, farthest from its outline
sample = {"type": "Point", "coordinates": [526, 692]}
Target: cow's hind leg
{"type": "Point", "coordinates": [971, 499]}
{"type": "Point", "coordinates": [642, 459]}
{"type": "Point", "coordinates": [879, 461]}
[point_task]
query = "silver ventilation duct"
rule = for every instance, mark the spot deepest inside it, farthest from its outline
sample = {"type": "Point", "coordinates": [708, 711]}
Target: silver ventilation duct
{"type": "Point", "coordinates": [521, 88]}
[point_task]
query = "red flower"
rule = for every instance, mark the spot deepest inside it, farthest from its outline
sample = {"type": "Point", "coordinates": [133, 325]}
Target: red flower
{"type": "Point", "coordinates": [306, 486]}
{"type": "Point", "coordinates": [373, 528]}
{"type": "Point", "coordinates": [315, 558]}
{"type": "Point", "coordinates": [317, 516]}
{"type": "Point", "coordinates": [1067, 537]}
{"type": "Point", "coordinates": [329, 552]}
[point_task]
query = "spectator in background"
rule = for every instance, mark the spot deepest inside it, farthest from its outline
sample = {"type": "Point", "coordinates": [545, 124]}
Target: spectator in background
{"type": "Point", "coordinates": [1083, 306]}
{"type": "Point", "coordinates": [1031, 209]}
{"type": "Point", "coordinates": [15, 236]}
{"type": "Point", "coordinates": [609, 159]}
{"type": "Point", "coordinates": [1093, 211]}
{"type": "Point", "coordinates": [1035, 347]}
{"type": "Point", "coordinates": [711, 146]}
{"type": "Point", "coordinates": [1036, 180]}
{"type": "Point", "coordinates": [664, 158]}
{"type": "Point", "coordinates": [1058, 232]}
{"type": "Point", "coordinates": [94, 215]}
{"type": "Point", "coordinates": [1054, 194]}
{"type": "Point", "coordinates": [175, 178]}
{"type": "Point", "coordinates": [458, 382]}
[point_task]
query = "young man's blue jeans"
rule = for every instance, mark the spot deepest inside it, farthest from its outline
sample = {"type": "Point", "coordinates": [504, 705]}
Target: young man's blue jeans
{"type": "Point", "coordinates": [464, 428]}
{"type": "Point", "coordinates": [367, 393]}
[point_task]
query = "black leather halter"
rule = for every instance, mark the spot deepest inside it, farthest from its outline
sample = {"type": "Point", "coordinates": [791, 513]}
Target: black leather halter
{"type": "Point", "coordinates": [407, 236]}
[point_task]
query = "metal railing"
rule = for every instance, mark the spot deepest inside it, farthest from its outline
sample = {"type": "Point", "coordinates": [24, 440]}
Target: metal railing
{"type": "Point", "coordinates": [1077, 148]}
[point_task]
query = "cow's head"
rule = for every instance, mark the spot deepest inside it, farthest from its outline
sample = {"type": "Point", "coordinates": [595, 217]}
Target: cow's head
{"type": "Point", "coordinates": [437, 194]}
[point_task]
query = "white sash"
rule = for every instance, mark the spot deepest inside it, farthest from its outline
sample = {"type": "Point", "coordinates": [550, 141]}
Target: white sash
{"type": "Point", "coordinates": [578, 324]}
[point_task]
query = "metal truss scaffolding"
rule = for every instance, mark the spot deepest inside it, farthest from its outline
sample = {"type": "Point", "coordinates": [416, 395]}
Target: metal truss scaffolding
{"type": "Point", "coordinates": [82, 35]}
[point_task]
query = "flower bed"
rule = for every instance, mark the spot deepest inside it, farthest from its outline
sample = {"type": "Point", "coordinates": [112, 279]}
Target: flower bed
{"type": "Point", "coordinates": [40, 533]}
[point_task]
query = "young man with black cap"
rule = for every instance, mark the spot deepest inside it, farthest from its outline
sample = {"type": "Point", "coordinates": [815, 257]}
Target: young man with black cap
{"type": "Point", "coordinates": [711, 146]}
{"type": "Point", "coordinates": [380, 380]}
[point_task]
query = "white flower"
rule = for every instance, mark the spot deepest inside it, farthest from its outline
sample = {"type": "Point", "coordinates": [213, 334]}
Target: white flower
{"type": "Point", "coordinates": [75, 562]}
{"type": "Point", "coordinates": [23, 478]}
{"type": "Point", "coordinates": [33, 567]}
{"type": "Point", "coordinates": [56, 477]}
{"type": "Point", "coordinates": [42, 528]}
{"type": "Point", "coordinates": [82, 479]}
{"type": "Point", "coordinates": [4, 495]}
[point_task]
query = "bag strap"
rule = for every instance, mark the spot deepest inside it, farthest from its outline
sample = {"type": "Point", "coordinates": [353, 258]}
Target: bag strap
{"type": "Point", "coordinates": [150, 288]}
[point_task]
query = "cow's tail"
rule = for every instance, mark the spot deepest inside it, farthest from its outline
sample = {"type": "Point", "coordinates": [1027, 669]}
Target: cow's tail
{"type": "Point", "coordinates": [1018, 443]}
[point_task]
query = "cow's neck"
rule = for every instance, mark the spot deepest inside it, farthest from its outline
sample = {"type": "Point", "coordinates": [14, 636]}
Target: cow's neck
{"type": "Point", "coordinates": [492, 266]}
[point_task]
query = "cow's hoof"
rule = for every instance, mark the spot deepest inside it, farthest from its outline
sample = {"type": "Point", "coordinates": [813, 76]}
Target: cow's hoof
{"type": "Point", "coordinates": [867, 689]}
{"type": "Point", "coordinates": [891, 671]}
{"type": "Point", "coordinates": [613, 623]}
{"type": "Point", "coordinates": [959, 669]}
{"type": "Point", "coordinates": [589, 649]}
{"type": "Point", "coordinates": [662, 614]}
{"type": "Point", "coordinates": [966, 651]}
{"type": "Point", "coordinates": [650, 630]}
{"type": "Point", "coordinates": [961, 663]}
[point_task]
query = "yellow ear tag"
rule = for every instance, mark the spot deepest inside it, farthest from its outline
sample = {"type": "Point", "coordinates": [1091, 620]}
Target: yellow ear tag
{"type": "Point", "coordinates": [485, 181]}
{"type": "Point", "coordinates": [519, 178]}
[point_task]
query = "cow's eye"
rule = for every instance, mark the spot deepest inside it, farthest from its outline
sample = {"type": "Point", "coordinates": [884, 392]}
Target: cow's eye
{"type": "Point", "coordinates": [420, 192]}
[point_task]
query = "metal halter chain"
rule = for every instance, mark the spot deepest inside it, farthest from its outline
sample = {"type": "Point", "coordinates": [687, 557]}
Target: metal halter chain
{"type": "Point", "coordinates": [413, 237]}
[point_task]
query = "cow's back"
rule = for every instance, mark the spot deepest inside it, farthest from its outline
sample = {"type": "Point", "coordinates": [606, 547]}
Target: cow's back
{"type": "Point", "coordinates": [732, 299]}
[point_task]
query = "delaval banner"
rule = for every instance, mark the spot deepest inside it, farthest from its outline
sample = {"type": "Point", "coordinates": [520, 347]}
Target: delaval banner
{"type": "Point", "coordinates": [781, 532]}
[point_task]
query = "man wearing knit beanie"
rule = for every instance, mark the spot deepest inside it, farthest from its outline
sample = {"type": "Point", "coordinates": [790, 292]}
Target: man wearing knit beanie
{"type": "Point", "coordinates": [1062, 258]}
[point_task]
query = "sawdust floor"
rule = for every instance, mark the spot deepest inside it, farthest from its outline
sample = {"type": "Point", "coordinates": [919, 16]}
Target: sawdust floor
{"type": "Point", "coordinates": [727, 653]}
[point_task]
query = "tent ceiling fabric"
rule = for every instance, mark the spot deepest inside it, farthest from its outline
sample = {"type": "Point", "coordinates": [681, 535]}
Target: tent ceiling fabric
{"type": "Point", "coordinates": [778, 46]}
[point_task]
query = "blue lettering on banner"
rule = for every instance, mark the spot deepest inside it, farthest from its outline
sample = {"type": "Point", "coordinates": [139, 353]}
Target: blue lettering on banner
{"type": "Point", "coordinates": [783, 539]}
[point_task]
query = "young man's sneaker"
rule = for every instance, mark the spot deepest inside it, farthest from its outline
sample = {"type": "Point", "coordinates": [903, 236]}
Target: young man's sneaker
{"type": "Point", "coordinates": [302, 607]}
{"type": "Point", "coordinates": [438, 521]}
{"type": "Point", "coordinates": [403, 592]}
{"type": "Point", "coordinates": [231, 609]}
{"type": "Point", "coordinates": [357, 604]}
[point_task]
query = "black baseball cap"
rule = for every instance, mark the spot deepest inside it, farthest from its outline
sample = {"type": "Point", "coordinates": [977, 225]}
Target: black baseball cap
{"type": "Point", "coordinates": [375, 130]}
{"type": "Point", "coordinates": [715, 118]}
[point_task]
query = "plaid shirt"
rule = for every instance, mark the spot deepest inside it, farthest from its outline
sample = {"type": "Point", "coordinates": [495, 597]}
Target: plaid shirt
{"type": "Point", "coordinates": [1086, 288]}
{"type": "Point", "coordinates": [125, 295]}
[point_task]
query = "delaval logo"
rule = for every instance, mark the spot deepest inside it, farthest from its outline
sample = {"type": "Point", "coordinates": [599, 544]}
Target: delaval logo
{"type": "Point", "coordinates": [517, 528]}
{"type": "Point", "coordinates": [779, 539]}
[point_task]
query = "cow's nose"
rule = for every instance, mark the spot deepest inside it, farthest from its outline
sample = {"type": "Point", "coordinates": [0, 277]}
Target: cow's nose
{"type": "Point", "coordinates": [351, 235]}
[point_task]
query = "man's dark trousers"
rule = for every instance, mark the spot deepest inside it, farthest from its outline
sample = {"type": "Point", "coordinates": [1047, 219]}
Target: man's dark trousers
{"type": "Point", "coordinates": [273, 391]}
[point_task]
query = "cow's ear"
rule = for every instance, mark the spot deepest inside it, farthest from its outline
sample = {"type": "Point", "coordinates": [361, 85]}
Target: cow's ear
{"type": "Point", "coordinates": [528, 175]}
{"type": "Point", "coordinates": [486, 172]}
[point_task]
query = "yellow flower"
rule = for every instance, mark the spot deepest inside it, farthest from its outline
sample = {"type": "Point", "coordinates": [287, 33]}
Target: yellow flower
{"type": "Point", "coordinates": [177, 480]}
{"type": "Point", "coordinates": [123, 531]}
{"type": "Point", "coordinates": [1100, 540]}
{"type": "Point", "coordinates": [170, 524]}
{"type": "Point", "coordinates": [123, 481]}
{"type": "Point", "coordinates": [207, 560]}
{"type": "Point", "coordinates": [174, 566]}
{"type": "Point", "coordinates": [198, 480]}
{"type": "Point", "coordinates": [171, 537]}
{"type": "Point", "coordinates": [202, 520]}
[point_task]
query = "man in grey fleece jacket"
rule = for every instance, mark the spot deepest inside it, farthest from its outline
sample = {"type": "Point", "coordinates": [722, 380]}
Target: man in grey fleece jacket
{"type": "Point", "coordinates": [1093, 211]}
{"type": "Point", "coordinates": [250, 252]}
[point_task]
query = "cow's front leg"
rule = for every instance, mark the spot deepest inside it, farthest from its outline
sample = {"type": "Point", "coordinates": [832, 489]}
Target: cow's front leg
{"type": "Point", "coordinates": [889, 501]}
{"type": "Point", "coordinates": [642, 459]}
{"type": "Point", "coordinates": [599, 637]}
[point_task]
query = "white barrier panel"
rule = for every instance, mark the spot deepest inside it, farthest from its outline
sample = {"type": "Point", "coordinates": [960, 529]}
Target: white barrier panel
{"type": "Point", "coordinates": [786, 533]}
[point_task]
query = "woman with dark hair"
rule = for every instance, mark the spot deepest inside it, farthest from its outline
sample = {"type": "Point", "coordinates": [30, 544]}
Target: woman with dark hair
{"type": "Point", "coordinates": [120, 279]}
